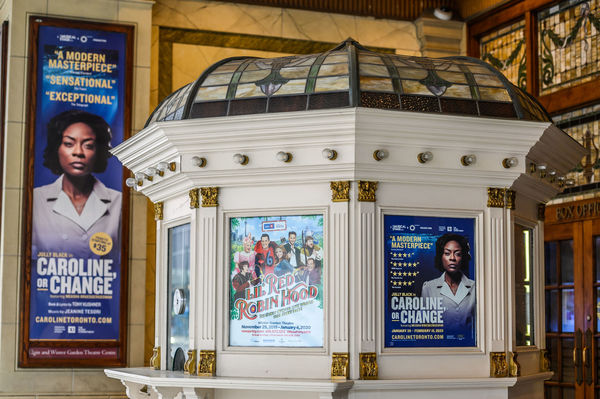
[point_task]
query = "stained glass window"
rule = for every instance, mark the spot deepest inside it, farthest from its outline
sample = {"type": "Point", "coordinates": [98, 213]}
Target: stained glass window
{"type": "Point", "coordinates": [569, 42]}
{"type": "Point", "coordinates": [505, 50]}
{"type": "Point", "coordinates": [584, 126]}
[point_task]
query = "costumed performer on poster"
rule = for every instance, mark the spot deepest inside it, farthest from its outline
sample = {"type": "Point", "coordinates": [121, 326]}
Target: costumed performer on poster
{"type": "Point", "coordinates": [282, 266]}
{"type": "Point", "coordinates": [247, 254]}
{"type": "Point", "coordinates": [311, 251]}
{"type": "Point", "coordinates": [242, 280]}
{"type": "Point", "coordinates": [265, 256]}
{"type": "Point", "coordinates": [456, 290]}
{"type": "Point", "coordinates": [67, 212]}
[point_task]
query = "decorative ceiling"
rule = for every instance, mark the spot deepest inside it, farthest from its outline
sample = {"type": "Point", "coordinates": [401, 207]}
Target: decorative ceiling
{"type": "Point", "coordinates": [407, 10]}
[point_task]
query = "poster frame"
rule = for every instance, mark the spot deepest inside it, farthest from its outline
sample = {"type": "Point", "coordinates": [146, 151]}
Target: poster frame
{"type": "Point", "coordinates": [225, 252]}
{"type": "Point", "coordinates": [480, 273]}
{"type": "Point", "coordinates": [3, 68]}
{"type": "Point", "coordinates": [35, 22]}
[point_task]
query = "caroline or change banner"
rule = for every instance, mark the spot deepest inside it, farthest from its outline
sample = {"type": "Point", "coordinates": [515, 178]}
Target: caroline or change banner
{"type": "Point", "coordinates": [76, 217]}
{"type": "Point", "coordinates": [430, 290]}
{"type": "Point", "coordinates": [276, 281]}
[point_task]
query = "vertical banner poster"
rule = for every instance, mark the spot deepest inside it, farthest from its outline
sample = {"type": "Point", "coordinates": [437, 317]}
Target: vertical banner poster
{"type": "Point", "coordinates": [76, 266]}
{"type": "Point", "coordinates": [276, 281]}
{"type": "Point", "coordinates": [429, 281]}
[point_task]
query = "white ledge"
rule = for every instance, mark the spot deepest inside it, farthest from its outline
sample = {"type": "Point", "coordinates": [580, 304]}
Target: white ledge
{"type": "Point", "coordinates": [428, 384]}
{"type": "Point", "coordinates": [165, 378]}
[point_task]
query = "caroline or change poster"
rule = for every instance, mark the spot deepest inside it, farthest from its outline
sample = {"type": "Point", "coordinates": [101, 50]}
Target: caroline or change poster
{"type": "Point", "coordinates": [76, 265]}
{"type": "Point", "coordinates": [430, 290]}
{"type": "Point", "coordinates": [276, 281]}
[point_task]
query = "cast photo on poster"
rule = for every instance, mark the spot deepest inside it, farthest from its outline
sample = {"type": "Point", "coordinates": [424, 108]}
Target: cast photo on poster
{"type": "Point", "coordinates": [276, 290]}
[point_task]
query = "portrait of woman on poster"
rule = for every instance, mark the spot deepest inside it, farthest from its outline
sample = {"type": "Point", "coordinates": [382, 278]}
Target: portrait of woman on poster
{"type": "Point", "coordinates": [67, 212]}
{"type": "Point", "coordinates": [282, 266]}
{"type": "Point", "coordinates": [453, 286]}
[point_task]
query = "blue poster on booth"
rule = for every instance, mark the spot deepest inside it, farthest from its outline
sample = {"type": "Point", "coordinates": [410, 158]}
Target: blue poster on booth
{"type": "Point", "coordinates": [430, 295]}
{"type": "Point", "coordinates": [77, 189]}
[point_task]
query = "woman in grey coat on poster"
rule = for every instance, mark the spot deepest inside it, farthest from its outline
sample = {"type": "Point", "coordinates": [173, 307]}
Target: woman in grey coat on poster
{"type": "Point", "coordinates": [453, 286]}
{"type": "Point", "coordinates": [67, 212]}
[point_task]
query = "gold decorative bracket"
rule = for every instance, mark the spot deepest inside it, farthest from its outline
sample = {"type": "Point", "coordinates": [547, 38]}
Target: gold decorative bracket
{"type": "Point", "coordinates": [366, 191]}
{"type": "Point", "coordinates": [541, 212]}
{"type": "Point", "coordinates": [511, 196]}
{"type": "Point", "coordinates": [340, 369]}
{"type": "Point", "coordinates": [498, 365]}
{"type": "Point", "coordinates": [514, 368]}
{"type": "Point", "coordinates": [155, 359]}
{"type": "Point", "coordinates": [368, 366]}
{"type": "Point", "coordinates": [340, 191]}
{"type": "Point", "coordinates": [544, 360]}
{"type": "Point", "coordinates": [207, 366]}
{"type": "Point", "coordinates": [158, 210]}
{"type": "Point", "coordinates": [190, 364]}
{"type": "Point", "coordinates": [495, 197]}
{"type": "Point", "coordinates": [501, 198]}
{"type": "Point", "coordinates": [194, 198]}
{"type": "Point", "coordinates": [209, 196]}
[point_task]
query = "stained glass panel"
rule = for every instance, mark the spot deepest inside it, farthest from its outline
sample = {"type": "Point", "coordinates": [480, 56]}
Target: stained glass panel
{"type": "Point", "coordinates": [505, 50]}
{"type": "Point", "coordinates": [584, 126]}
{"type": "Point", "coordinates": [568, 41]}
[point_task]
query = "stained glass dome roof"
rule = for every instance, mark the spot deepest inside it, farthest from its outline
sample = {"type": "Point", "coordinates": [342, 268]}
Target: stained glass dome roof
{"type": "Point", "coordinates": [349, 75]}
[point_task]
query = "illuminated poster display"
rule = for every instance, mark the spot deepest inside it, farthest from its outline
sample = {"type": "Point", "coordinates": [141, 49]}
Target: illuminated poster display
{"type": "Point", "coordinates": [276, 281]}
{"type": "Point", "coordinates": [430, 295]}
{"type": "Point", "coordinates": [76, 266]}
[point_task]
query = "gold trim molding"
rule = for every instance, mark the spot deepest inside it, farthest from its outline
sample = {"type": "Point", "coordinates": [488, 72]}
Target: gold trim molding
{"type": "Point", "coordinates": [207, 366]}
{"type": "Point", "coordinates": [155, 359]}
{"type": "Point", "coordinates": [340, 191]}
{"type": "Point", "coordinates": [498, 365]}
{"type": "Point", "coordinates": [541, 212]}
{"type": "Point", "coordinates": [194, 198]}
{"type": "Point", "coordinates": [158, 210]}
{"type": "Point", "coordinates": [210, 196]}
{"type": "Point", "coordinates": [368, 366]}
{"type": "Point", "coordinates": [340, 365]}
{"type": "Point", "coordinates": [495, 197]}
{"type": "Point", "coordinates": [514, 368]}
{"type": "Point", "coordinates": [544, 360]}
{"type": "Point", "coordinates": [189, 367]}
{"type": "Point", "coordinates": [511, 197]}
{"type": "Point", "coordinates": [366, 191]}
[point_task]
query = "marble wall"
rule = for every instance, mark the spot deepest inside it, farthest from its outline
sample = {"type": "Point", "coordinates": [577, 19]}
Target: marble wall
{"type": "Point", "coordinates": [60, 383]}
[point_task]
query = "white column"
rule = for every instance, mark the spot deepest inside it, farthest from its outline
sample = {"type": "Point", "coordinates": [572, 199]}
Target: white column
{"type": "Point", "coordinates": [362, 280]}
{"type": "Point", "coordinates": [160, 310]}
{"type": "Point", "coordinates": [205, 282]}
{"type": "Point", "coordinates": [495, 279]}
{"type": "Point", "coordinates": [339, 276]}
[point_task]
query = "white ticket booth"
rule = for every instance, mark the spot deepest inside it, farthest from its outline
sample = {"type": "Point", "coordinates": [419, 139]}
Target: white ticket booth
{"type": "Point", "coordinates": [348, 224]}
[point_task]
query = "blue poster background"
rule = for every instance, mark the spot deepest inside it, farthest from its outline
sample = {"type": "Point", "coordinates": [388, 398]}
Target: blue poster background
{"type": "Point", "coordinates": [410, 250]}
{"type": "Point", "coordinates": [84, 70]}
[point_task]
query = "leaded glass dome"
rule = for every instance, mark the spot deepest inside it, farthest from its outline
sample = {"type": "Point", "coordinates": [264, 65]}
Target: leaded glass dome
{"type": "Point", "coordinates": [349, 75]}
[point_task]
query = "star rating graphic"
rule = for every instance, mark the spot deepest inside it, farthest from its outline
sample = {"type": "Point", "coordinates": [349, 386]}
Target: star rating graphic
{"type": "Point", "coordinates": [401, 255]}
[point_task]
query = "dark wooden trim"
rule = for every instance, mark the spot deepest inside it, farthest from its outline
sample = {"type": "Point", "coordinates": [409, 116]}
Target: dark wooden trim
{"type": "Point", "coordinates": [572, 97]}
{"type": "Point", "coordinates": [3, 67]}
{"type": "Point", "coordinates": [24, 342]}
{"type": "Point", "coordinates": [504, 15]}
{"type": "Point", "coordinates": [531, 51]}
